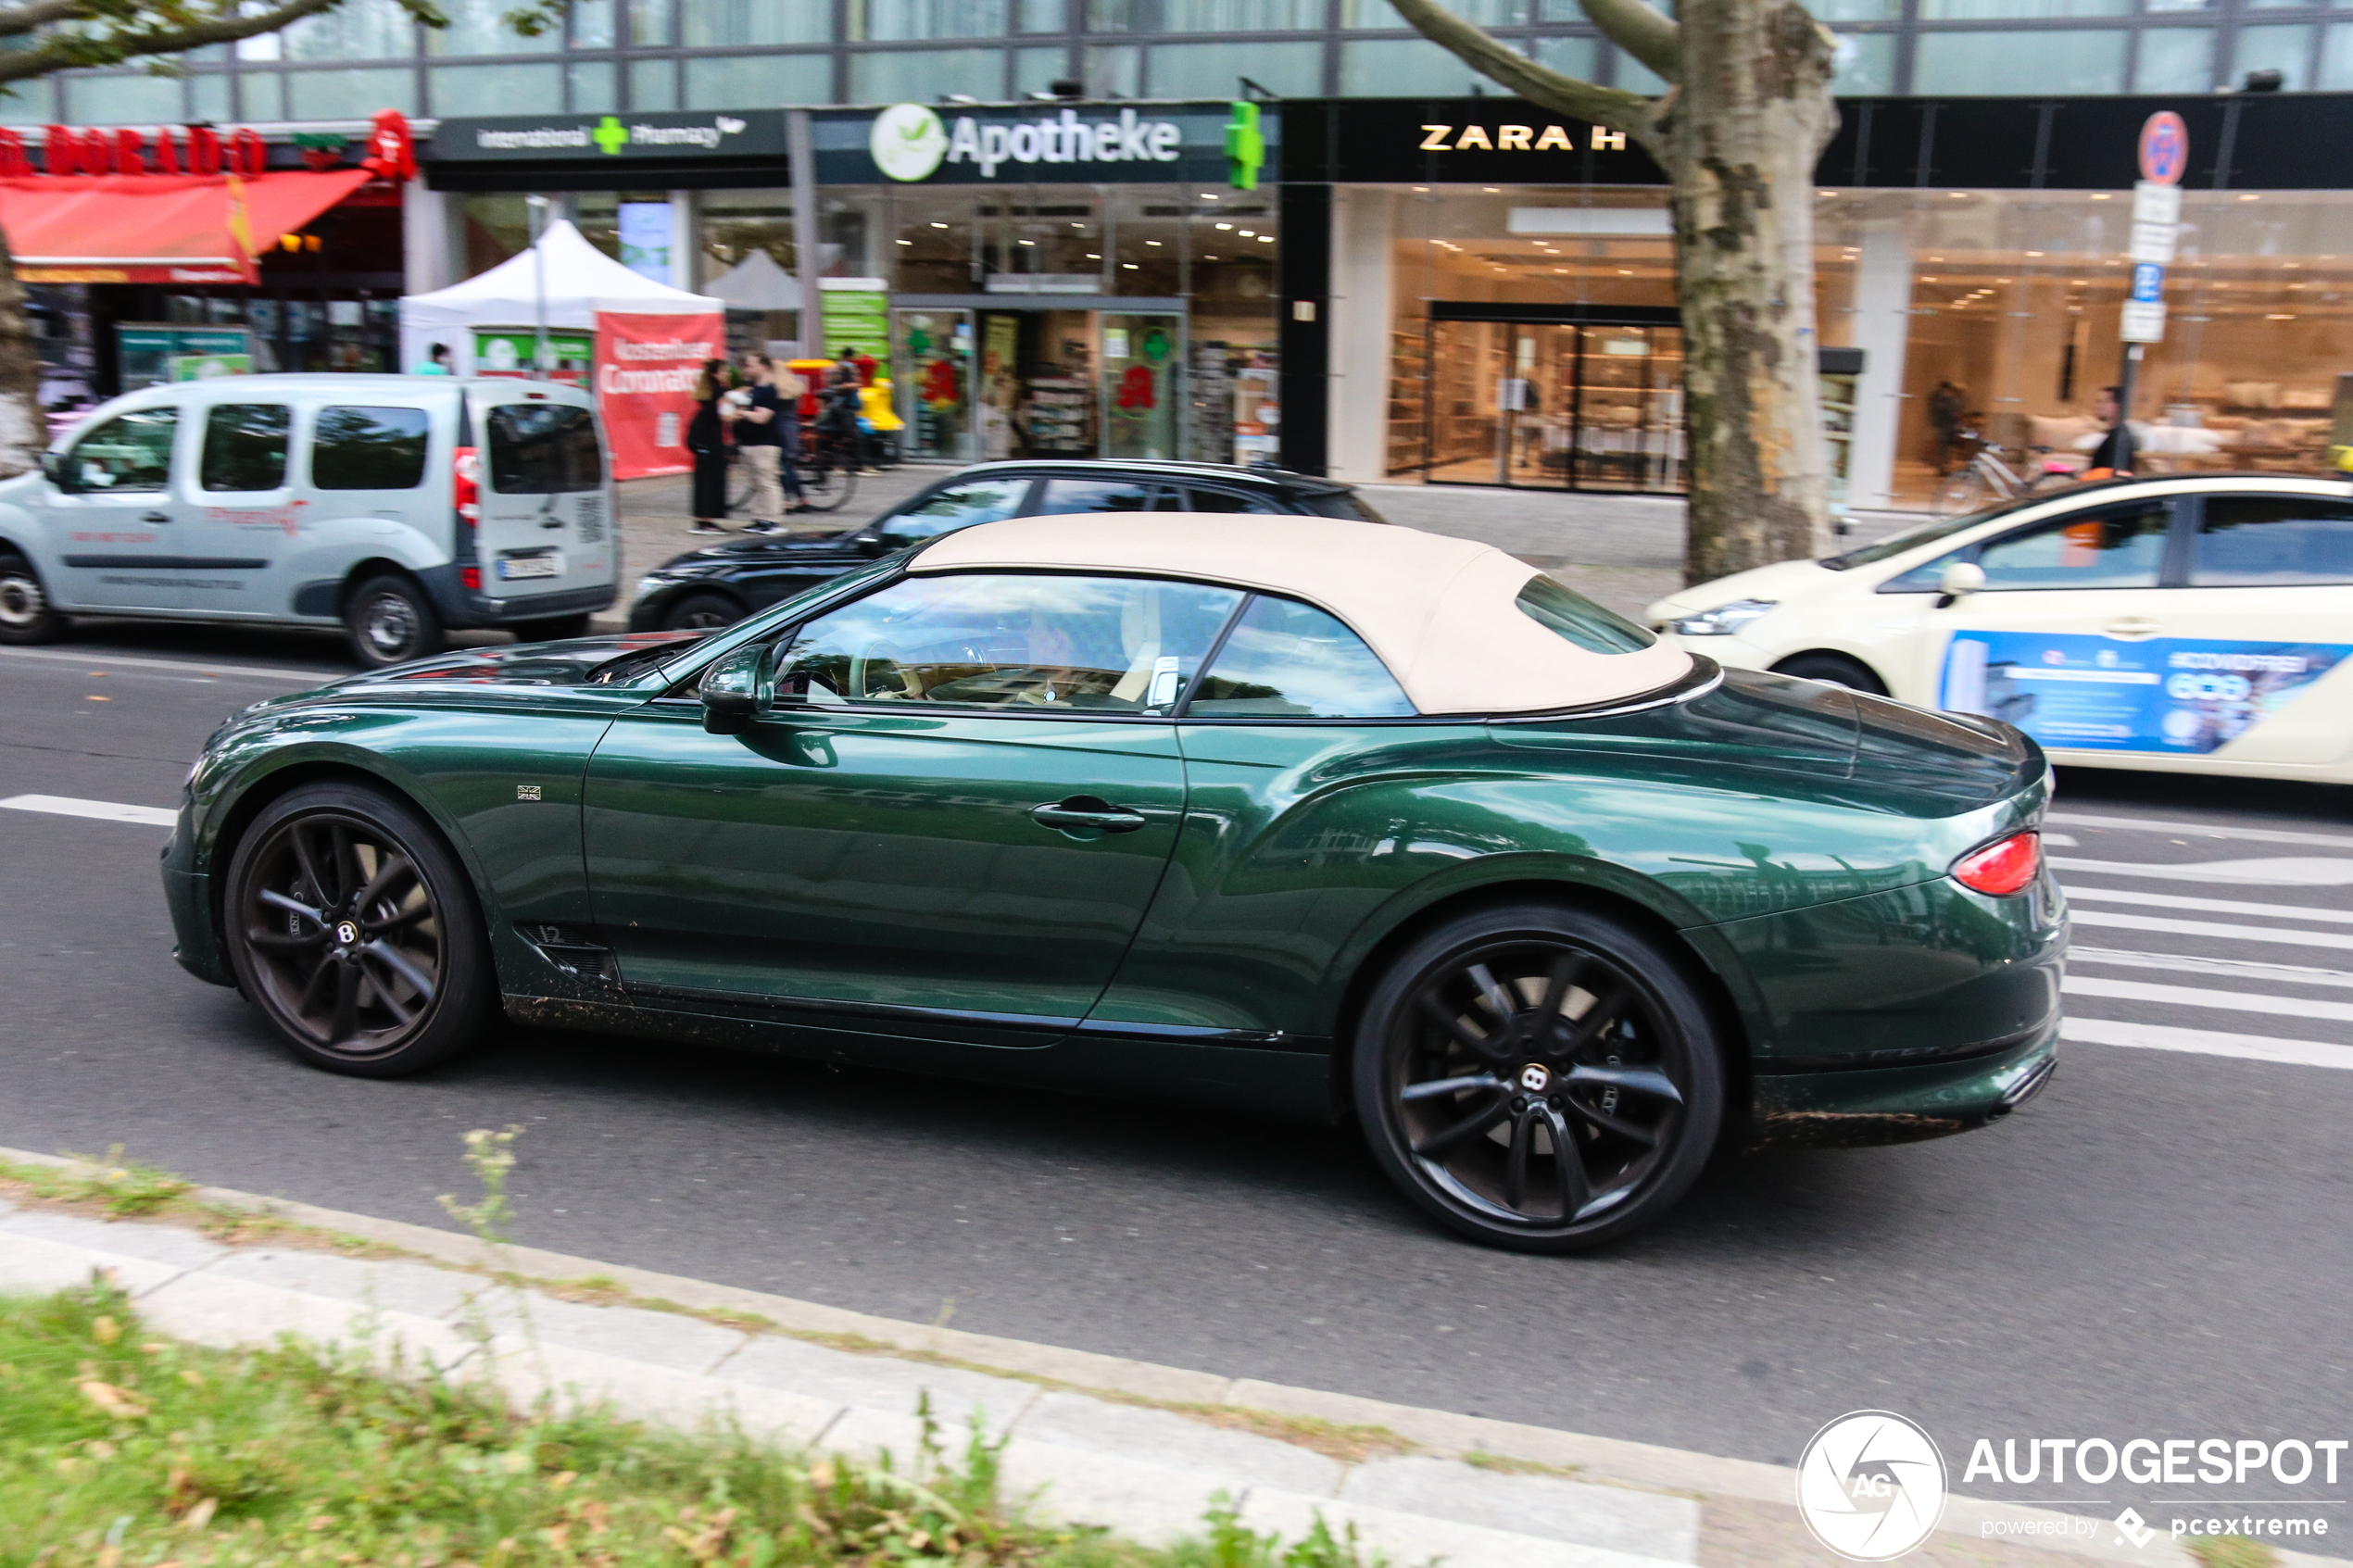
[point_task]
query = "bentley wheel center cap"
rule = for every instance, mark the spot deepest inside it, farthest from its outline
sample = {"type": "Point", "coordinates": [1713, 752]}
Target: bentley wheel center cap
{"type": "Point", "coordinates": [1535, 1079]}
{"type": "Point", "coordinates": [348, 934]}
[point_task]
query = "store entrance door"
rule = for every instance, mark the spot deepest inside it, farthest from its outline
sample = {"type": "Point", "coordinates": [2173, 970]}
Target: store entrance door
{"type": "Point", "coordinates": [1555, 403]}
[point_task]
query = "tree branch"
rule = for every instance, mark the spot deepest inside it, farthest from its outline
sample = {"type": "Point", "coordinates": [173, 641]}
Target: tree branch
{"type": "Point", "coordinates": [1613, 107]}
{"type": "Point", "coordinates": [72, 50]}
{"type": "Point", "coordinates": [1654, 40]}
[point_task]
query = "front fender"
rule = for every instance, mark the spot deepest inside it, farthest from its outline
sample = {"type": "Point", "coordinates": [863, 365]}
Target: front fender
{"type": "Point", "coordinates": [20, 531]}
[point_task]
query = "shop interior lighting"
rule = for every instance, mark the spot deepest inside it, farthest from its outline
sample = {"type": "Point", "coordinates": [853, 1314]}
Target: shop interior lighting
{"type": "Point", "coordinates": [939, 225]}
{"type": "Point", "coordinates": [1266, 239]}
{"type": "Point", "coordinates": [906, 242]}
{"type": "Point", "coordinates": [2103, 195]}
{"type": "Point", "coordinates": [1208, 195]}
{"type": "Point", "coordinates": [1224, 225]}
{"type": "Point", "coordinates": [1094, 256]}
{"type": "Point", "coordinates": [1130, 265]}
{"type": "Point", "coordinates": [1246, 233]}
{"type": "Point", "coordinates": [1152, 242]}
{"type": "Point", "coordinates": [1492, 190]}
{"type": "Point", "coordinates": [2250, 196]}
{"type": "Point", "coordinates": [2279, 318]}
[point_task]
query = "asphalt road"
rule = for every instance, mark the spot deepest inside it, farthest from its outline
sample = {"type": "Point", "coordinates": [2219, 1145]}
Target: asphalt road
{"type": "Point", "coordinates": [2159, 1247]}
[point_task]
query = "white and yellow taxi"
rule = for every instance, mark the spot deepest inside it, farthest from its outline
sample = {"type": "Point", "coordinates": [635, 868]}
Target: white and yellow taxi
{"type": "Point", "coordinates": [2195, 624]}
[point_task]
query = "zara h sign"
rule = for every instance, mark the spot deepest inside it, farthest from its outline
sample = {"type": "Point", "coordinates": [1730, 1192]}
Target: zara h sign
{"type": "Point", "coordinates": [1026, 143]}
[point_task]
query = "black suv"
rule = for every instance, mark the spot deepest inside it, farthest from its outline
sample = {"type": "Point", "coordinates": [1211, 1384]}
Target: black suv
{"type": "Point", "coordinates": [725, 583]}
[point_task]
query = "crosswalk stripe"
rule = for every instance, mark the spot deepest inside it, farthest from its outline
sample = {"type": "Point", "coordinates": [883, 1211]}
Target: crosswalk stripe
{"type": "Point", "coordinates": [103, 810]}
{"type": "Point", "coordinates": [2204, 830]}
{"type": "Point", "coordinates": [2227, 969]}
{"type": "Point", "coordinates": [2211, 905]}
{"type": "Point", "coordinates": [2199, 997]}
{"type": "Point", "coordinates": [2285, 935]}
{"type": "Point", "coordinates": [2205, 1042]}
{"type": "Point", "coordinates": [2276, 871]}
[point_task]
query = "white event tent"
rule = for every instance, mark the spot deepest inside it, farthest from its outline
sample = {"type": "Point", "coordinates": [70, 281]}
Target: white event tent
{"type": "Point", "coordinates": [578, 281]}
{"type": "Point", "coordinates": [758, 283]}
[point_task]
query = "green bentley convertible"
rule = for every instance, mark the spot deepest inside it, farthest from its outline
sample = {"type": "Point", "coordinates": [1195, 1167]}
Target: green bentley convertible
{"type": "Point", "coordinates": [1318, 819]}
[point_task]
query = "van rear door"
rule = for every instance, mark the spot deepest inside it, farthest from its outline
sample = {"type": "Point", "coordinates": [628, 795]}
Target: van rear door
{"type": "Point", "coordinates": [547, 510]}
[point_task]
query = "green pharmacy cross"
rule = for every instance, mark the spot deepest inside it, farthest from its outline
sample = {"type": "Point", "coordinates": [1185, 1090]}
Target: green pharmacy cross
{"type": "Point", "coordinates": [610, 135]}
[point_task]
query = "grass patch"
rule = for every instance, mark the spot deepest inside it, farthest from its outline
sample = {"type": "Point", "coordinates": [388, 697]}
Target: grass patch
{"type": "Point", "coordinates": [122, 1188]}
{"type": "Point", "coordinates": [122, 1450]}
{"type": "Point", "coordinates": [1504, 1464]}
{"type": "Point", "coordinates": [2229, 1551]}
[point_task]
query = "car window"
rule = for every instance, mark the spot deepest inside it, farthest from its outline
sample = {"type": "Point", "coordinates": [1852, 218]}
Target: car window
{"type": "Point", "coordinates": [1289, 661]}
{"type": "Point", "coordinates": [1346, 505]}
{"type": "Point", "coordinates": [363, 448]}
{"type": "Point", "coordinates": [958, 506]}
{"type": "Point", "coordinates": [1063, 496]}
{"type": "Point", "coordinates": [1013, 641]}
{"type": "Point", "coordinates": [131, 452]}
{"type": "Point", "coordinates": [2119, 547]}
{"type": "Point", "coordinates": [244, 447]}
{"type": "Point", "coordinates": [2265, 541]}
{"type": "Point", "coordinates": [544, 449]}
{"type": "Point", "coordinates": [1231, 501]}
{"type": "Point", "coordinates": [1570, 615]}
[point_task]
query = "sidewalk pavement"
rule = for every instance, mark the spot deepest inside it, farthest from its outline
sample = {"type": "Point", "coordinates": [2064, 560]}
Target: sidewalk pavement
{"type": "Point", "coordinates": [1139, 1449]}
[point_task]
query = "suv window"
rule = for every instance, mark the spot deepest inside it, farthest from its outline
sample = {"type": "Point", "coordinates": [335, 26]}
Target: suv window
{"type": "Point", "coordinates": [131, 452]}
{"type": "Point", "coordinates": [1025, 642]}
{"type": "Point", "coordinates": [1346, 505]}
{"type": "Point", "coordinates": [244, 447]}
{"type": "Point", "coordinates": [2123, 548]}
{"type": "Point", "coordinates": [1063, 496]}
{"type": "Point", "coordinates": [983, 500]}
{"type": "Point", "coordinates": [2264, 541]}
{"type": "Point", "coordinates": [1231, 501]}
{"type": "Point", "coordinates": [544, 449]}
{"type": "Point", "coordinates": [1289, 661]}
{"type": "Point", "coordinates": [363, 448]}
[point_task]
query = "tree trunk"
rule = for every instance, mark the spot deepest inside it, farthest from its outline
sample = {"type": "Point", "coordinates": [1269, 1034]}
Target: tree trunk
{"type": "Point", "coordinates": [24, 428]}
{"type": "Point", "coordinates": [1741, 134]}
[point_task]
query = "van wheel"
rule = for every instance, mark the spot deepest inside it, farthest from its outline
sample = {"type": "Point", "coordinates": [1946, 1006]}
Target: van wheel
{"type": "Point", "coordinates": [1832, 669]}
{"type": "Point", "coordinates": [25, 615]}
{"type": "Point", "coordinates": [550, 627]}
{"type": "Point", "coordinates": [391, 621]}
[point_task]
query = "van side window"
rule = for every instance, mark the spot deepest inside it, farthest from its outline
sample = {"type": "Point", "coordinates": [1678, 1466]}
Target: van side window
{"type": "Point", "coordinates": [244, 447]}
{"type": "Point", "coordinates": [130, 452]}
{"type": "Point", "coordinates": [544, 449]}
{"type": "Point", "coordinates": [359, 448]}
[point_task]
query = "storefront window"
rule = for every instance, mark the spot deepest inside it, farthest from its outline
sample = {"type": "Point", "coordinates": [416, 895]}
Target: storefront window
{"type": "Point", "coordinates": [2065, 61]}
{"type": "Point", "coordinates": [919, 75]}
{"type": "Point", "coordinates": [519, 88]}
{"type": "Point", "coordinates": [1212, 70]}
{"type": "Point", "coordinates": [735, 223]}
{"type": "Point", "coordinates": [734, 81]}
{"type": "Point", "coordinates": [479, 27]}
{"type": "Point", "coordinates": [493, 227]}
{"type": "Point", "coordinates": [885, 20]}
{"type": "Point", "coordinates": [729, 24]}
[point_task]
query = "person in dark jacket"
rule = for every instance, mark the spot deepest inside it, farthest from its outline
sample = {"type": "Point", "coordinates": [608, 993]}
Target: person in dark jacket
{"type": "Point", "coordinates": [707, 439]}
{"type": "Point", "coordinates": [2113, 456]}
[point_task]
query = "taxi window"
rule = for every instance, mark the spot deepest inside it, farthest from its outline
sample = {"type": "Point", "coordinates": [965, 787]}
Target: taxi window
{"type": "Point", "coordinates": [2114, 547]}
{"type": "Point", "coordinates": [2271, 541]}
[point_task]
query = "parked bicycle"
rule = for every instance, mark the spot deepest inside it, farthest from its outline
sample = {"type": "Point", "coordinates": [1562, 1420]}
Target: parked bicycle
{"type": "Point", "coordinates": [1986, 479]}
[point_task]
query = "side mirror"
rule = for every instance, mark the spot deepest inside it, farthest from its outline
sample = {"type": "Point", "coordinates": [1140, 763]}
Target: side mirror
{"type": "Point", "coordinates": [53, 468]}
{"type": "Point", "coordinates": [735, 691]}
{"type": "Point", "coordinates": [1959, 579]}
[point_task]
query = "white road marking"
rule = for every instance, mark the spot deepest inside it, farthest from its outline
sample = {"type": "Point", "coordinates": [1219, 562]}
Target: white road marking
{"type": "Point", "coordinates": [187, 669]}
{"type": "Point", "coordinates": [2204, 830]}
{"type": "Point", "coordinates": [103, 810]}
{"type": "Point", "coordinates": [2301, 871]}
{"type": "Point", "coordinates": [2205, 1042]}
{"type": "Point", "coordinates": [2059, 840]}
{"type": "Point", "coordinates": [2198, 997]}
{"type": "Point", "coordinates": [2211, 905]}
{"type": "Point", "coordinates": [2282, 935]}
{"type": "Point", "coordinates": [2222, 969]}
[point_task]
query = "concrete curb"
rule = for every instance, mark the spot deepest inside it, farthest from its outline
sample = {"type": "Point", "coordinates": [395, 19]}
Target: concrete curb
{"type": "Point", "coordinates": [1144, 1472]}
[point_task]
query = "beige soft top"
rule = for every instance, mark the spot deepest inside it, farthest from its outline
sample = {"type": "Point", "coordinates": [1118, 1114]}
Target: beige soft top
{"type": "Point", "coordinates": [1438, 611]}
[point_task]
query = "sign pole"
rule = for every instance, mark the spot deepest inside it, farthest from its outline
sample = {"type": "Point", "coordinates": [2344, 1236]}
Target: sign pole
{"type": "Point", "coordinates": [538, 206]}
{"type": "Point", "coordinates": [2157, 220]}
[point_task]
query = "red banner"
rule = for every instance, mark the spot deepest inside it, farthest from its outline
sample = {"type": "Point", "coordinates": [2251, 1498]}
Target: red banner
{"type": "Point", "coordinates": [646, 367]}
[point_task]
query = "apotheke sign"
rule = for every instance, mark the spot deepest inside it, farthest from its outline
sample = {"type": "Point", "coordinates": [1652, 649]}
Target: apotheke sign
{"type": "Point", "coordinates": [917, 144]}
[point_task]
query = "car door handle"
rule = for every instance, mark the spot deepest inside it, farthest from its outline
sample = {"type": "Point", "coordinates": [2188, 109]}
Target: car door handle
{"type": "Point", "coordinates": [155, 517]}
{"type": "Point", "coordinates": [1086, 813]}
{"type": "Point", "coordinates": [2135, 626]}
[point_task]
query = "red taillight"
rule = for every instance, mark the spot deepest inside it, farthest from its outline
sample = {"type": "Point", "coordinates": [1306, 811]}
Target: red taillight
{"type": "Point", "coordinates": [471, 578]}
{"type": "Point", "coordinates": [2008, 865]}
{"type": "Point", "coordinates": [465, 485]}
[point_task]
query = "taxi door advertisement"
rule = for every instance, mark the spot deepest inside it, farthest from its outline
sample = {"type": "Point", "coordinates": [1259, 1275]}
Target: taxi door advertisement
{"type": "Point", "coordinates": [2166, 695]}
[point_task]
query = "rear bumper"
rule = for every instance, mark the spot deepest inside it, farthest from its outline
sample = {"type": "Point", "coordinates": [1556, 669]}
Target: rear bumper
{"type": "Point", "coordinates": [464, 608]}
{"type": "Point", "coordinates": [1856, 1106]}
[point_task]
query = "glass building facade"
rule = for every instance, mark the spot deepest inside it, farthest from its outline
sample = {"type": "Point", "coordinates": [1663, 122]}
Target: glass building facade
{"type": "Point", "coordinates": [654, 55]}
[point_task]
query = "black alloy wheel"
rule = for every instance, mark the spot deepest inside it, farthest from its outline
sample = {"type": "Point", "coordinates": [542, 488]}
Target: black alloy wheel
{"type": "Point", "coordinates": [390, 621]}
{"type": "Point", "coordinates": [1540, 1078]}
{"type": "Point", "coordinates": [25, 615]}
{"type": "Point", "coordinates": [701, 612]}
{"type": "Point", "coordinates": [1832, 669]}
{"type": "Point", "coordinates": [351, 926]}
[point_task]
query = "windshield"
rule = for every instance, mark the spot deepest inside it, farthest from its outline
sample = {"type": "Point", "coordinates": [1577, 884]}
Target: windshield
{"type": "Point", "coordinates": [1926, 533]}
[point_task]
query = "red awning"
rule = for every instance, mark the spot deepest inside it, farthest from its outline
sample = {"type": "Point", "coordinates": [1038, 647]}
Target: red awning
{"type": "Point", "coordinates": [156, 228]}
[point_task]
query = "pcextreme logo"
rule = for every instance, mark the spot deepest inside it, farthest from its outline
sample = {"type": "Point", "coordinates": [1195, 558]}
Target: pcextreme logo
{"type": "Point", "coordinates": [1870, 1485]}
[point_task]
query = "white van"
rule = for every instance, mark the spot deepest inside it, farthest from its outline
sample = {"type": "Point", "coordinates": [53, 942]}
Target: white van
{"type": "Point", "coordinates": [398, 507]}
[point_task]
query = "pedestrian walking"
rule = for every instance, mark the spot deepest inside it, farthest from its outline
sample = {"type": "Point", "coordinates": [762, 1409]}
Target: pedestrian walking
{"type": "Point", "coordinates": [759, 430]}
{"type": "Point", "coordinates": [2112, 459]}
{"type": "Point", "coordinates": [707, 439]}
{"type": "Point", "coordinates": [838, 412]}
{"type": "Point", "coordinates": [1947, 407]}
{"type": "Point", "coordinates": [435, 363]}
